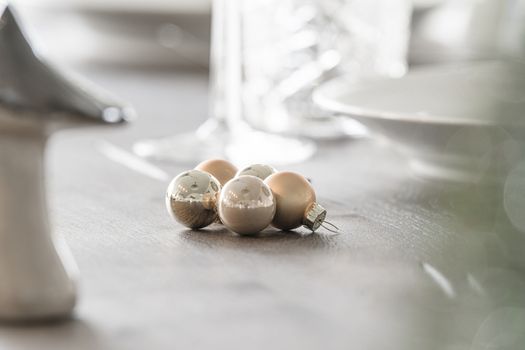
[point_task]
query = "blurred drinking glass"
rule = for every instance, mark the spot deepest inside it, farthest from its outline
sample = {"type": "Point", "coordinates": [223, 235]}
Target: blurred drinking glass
{"type": "Point", "coordinates": [290, 46]}
{"type": "Point", "coordinates": [267, 58]}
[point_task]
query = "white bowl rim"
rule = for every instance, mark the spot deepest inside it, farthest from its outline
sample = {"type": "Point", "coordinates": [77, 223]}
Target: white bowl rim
{"type": "Point", "coordinates": [324, 98]}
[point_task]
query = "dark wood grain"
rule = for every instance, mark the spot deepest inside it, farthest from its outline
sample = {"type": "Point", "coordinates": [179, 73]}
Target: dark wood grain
{"type": "Point", "coordinates": [417, 265]}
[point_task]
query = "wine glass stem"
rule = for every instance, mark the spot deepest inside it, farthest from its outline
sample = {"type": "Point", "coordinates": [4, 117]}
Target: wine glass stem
{"type": "Point", "coordinates": [226, 64]}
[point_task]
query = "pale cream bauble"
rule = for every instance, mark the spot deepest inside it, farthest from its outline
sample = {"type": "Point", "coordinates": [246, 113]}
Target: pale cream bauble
{"type": "Point", "coordinates": [262, 171]}
{"type": "Point", "coordinates": [246, 205]}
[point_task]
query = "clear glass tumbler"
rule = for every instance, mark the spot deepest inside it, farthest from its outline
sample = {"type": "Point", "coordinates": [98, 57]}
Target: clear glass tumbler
{"type": "Point", "coordinates": [289, 47]}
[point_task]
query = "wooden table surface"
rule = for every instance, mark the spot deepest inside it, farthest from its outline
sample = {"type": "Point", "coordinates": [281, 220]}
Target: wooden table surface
{"type": "Point", "coordinates": [417, 265]}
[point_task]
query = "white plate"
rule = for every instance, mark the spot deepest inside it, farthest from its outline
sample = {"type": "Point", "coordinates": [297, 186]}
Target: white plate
{"type": "Point", "coordinates": [454, 122]}
{"type": "Point", "coordinates": [479, 93]}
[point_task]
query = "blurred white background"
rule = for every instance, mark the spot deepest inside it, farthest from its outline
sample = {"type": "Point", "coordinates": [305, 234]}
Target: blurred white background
{"type": "Point", "coordinates": [156, 33]}
{"type": "Point", "coordinates": [164, 33]}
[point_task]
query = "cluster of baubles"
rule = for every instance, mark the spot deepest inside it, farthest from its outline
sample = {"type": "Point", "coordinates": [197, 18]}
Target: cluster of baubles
{"type": "Point", "coordinates": [246, 201]}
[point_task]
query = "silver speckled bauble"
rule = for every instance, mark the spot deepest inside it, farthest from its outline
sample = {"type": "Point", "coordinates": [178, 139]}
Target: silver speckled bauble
{"type": "Point", "coordinates": [191, 198]}
{"type": "Point", "coordinates": [246, 205]}
{"type": "Point", "coordinates": [262, 171]}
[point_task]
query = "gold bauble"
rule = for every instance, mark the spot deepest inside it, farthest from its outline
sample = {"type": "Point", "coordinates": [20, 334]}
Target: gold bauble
{"type": "Point", "coordinates": [191, 198]}
{"type": "Point", "coordinates": [246, 205]}
{"type": "Point", "coordinates": [220, 168]}
{"type": "Point", "coordinates": [296, 202]}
